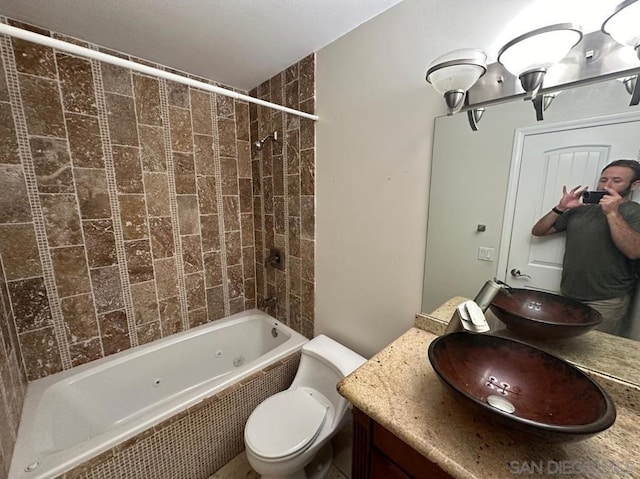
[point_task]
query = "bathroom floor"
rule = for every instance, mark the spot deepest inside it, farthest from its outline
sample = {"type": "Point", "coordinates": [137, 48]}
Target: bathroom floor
{"type": "Point", "coordinates": [239, 468]}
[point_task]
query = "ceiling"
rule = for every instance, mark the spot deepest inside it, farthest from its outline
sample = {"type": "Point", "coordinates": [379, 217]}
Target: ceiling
{"type": "Point", "coordinates": [239, 43]}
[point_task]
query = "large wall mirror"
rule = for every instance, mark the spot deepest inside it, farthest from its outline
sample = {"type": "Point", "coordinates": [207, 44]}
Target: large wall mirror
{"type": "Point", "coordinates": [471, 216]}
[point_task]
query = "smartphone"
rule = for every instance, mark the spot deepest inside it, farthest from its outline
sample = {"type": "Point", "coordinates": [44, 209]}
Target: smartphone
{"type": "Point", "coordinates": [593, 196]}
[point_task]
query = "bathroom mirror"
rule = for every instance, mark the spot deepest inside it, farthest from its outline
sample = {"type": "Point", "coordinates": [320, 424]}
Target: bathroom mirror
{"type": "Point", "coordinates": [469, 220]}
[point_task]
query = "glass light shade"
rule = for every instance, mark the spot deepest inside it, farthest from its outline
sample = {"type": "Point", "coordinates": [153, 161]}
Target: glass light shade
{"type": "Point", "coordinates": [539, 49]}
{"type": "Point", "coordinates": [457, 70]}
{"type": "Point", "coordinates": [624, 24]}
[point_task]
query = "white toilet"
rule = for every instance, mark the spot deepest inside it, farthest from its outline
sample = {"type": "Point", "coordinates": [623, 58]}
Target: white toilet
{"type": "Point", "coordinates": [288, 435]}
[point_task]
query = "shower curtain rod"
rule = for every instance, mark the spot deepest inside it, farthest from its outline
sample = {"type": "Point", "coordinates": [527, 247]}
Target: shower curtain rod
{"type": "Point", "coordinates": [104, 57]}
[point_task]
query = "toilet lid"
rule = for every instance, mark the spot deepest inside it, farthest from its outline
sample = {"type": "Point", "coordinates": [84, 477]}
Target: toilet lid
{"type": "Point", "coordinates": [284, 424]}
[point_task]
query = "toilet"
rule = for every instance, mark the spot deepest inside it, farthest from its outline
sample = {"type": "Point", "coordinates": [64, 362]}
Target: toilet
{"type": "Point", "coordinates": [288, 436]}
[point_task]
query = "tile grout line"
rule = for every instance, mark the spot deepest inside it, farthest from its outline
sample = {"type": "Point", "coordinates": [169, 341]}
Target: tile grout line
{"type": "Point", "coordinates": [285, 181]}
{"type": "Point", "coordinates": [34, 202]}
{"type": "Point", "coordinates": [112, 190]}
{"type": "Point", "coordinates": [220, 201]}
{"type": "Point", "coordinates": [173, 202]}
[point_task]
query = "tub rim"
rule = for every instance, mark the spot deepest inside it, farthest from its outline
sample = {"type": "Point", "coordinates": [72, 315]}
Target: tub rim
{"type": "Point", "coordinates": [96, 445]}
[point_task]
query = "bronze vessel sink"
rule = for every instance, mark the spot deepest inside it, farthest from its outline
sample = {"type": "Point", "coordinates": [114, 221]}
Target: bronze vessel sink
{"type": "Point", "coordinates": [544, 316]}
{"type": "Point", "coordinates": [521, 386]}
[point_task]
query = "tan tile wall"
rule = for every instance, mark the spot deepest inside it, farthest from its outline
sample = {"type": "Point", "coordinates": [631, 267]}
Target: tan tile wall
{"type": "Point", "coordinates": [16, 237]}
{"type": "Point", "coordinates": [284, 194]}
{"type": "Point", "coordinates": [128, 210]}
{"type": "Point", "coordinates": [13, 382]}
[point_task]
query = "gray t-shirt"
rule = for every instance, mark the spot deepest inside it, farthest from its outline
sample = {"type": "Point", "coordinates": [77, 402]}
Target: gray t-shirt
{"type": "Point", "coordinates": [593, 267]}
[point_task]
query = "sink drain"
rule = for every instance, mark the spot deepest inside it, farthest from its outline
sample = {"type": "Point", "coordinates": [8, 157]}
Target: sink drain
{"type": "Point", "coordinates": [501, 403]}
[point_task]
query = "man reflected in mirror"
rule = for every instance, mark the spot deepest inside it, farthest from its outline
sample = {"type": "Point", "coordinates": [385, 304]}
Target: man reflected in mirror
{"type": "Point", "coordinates": [602, 242]}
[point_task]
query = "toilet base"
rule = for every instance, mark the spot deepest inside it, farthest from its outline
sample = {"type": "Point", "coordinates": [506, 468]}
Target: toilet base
{"type": "Point", "coordinates": [319, 467]}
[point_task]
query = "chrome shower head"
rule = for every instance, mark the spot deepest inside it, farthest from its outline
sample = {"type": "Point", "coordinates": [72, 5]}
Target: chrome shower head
{"type": "Point", "coordinates": [258, 145]}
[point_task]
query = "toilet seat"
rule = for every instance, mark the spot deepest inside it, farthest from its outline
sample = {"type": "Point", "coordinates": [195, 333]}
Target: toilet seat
{"type": "Point", "coordinates": [285, 424]}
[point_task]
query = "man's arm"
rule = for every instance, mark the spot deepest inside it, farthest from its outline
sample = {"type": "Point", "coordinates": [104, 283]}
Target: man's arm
{"type": "Point", "coordinates": [570, 199]}
{"type": "Point", "coordinates": [626, 239]}
{"type": "Point", "coordinates": [544, 226]}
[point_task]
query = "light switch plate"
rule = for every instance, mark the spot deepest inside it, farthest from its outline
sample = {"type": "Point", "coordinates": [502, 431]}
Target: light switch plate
{"type": "Point", "coordinates": [485, 254]}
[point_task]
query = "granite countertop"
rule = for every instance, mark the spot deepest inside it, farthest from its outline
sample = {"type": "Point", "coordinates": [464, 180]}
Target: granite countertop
{"type": "Point", "coordinates": [596, 351]}
{"type": "Point", "coordinates": [399, 389]}
{"type": "Point", "coordinates": [611, 360]}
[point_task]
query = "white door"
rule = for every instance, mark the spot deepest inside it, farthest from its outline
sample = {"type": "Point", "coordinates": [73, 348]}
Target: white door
{"type": "Point", "coordinates": [549, 161]}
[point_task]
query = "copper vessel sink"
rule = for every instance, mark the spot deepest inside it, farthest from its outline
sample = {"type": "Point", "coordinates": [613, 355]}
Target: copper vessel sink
{"type": "Point", "coordinates": [541, 315]}
{"type": "Point", "coordinates": [521, 386]}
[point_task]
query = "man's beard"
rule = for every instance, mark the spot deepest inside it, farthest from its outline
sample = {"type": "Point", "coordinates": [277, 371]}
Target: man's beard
{"type": "Point", "coordinates": [626, 192]}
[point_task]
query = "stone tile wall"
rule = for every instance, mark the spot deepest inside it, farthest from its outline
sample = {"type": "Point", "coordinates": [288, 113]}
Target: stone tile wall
{"type": "Point", "coordinates": [13, 382]}
{"type": "Point", "coordinates": [131, 207]}
{"type": "Point", "coordinates": [284, 193]}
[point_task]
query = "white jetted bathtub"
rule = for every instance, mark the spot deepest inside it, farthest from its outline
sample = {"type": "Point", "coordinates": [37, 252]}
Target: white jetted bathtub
{"type": "Point", "coordinates": [74, 415]}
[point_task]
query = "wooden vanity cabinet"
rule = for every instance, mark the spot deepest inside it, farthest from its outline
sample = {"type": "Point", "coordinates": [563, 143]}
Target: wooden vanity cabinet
{"type": "Point", "coordinates": [378, 454]}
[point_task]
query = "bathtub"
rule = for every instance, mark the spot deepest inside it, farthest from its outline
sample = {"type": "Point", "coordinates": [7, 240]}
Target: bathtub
{"type": "Point", "coordinates": [74, 415]}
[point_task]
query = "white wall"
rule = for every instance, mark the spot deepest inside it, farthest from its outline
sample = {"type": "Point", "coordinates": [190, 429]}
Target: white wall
{"type": "Point", "coordinates": [374, 140]}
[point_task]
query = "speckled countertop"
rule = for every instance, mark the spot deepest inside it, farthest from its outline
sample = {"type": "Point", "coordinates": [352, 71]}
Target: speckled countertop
{"type": "Point", "coordinates": [399, 389]}
{"type": "Point", "coordinates": [618, 358]}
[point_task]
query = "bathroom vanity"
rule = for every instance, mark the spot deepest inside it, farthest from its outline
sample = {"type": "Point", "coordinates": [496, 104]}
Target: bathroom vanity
{"type": "Point", "coordinates": [407, 426]}
{"type": "Point", "coordinates": [379, 454]}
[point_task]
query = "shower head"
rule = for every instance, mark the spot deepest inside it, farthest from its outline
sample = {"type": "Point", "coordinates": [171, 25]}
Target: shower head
{"type": "Point", "coordinates": [258, 145]}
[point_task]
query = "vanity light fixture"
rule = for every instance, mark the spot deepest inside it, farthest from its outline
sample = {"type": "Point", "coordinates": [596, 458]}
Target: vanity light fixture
{"type": "Point", "coordinates": [473, 116]}
{"type": "Point", "coordinates": [548, 98]}
{"type": "Point", "coordinates": [453, 73]}
{"type": "Point", "coordinates": [632, 85]}
{"type": "Point", "coordinates": [470, 85]}
{"type": "Point", "coordinates": [542, 102]}
{"type": "Point", "coordinates": [530, 55]}
{"type": "Point", "coordinates": [624, 24]}
{"type": "Point", "coordinates": [624, 27]}
{"type": "Point", "coordinates": [629, 83]}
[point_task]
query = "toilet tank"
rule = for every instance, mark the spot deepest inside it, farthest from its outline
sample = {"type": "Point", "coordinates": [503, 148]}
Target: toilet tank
{"type": "Point", "coordinates": [322, 364]}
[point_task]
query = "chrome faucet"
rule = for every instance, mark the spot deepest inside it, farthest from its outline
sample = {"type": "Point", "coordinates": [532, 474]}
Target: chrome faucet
{"type": "Point", "coordinates": [469, 315]}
